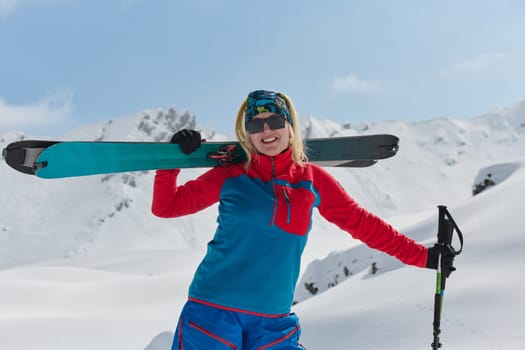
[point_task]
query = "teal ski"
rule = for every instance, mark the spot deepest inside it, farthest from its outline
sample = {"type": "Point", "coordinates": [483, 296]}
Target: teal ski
{"type": "Point", "coordinates": [59, 159]}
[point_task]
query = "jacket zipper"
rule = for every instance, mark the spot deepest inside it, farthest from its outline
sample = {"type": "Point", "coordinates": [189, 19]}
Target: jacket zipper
{"type": "Point", "coordinates": [288, 205]}
{"type": "Point", "coordinates": [276, 197]}
{"type": "Point", "coordinates": [274, 191]}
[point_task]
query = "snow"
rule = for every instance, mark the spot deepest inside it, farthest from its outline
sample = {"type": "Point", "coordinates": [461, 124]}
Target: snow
{"type": "Point", "coordinates": [393, 309]}
{"type": "Point", "coordinates": [84, 265]}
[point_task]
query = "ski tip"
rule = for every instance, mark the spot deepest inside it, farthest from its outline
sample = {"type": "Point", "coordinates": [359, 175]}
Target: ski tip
{"type": "Point", "coordinates": [21, 155]}
{"type": "Point", "coordinates": [15, 158]}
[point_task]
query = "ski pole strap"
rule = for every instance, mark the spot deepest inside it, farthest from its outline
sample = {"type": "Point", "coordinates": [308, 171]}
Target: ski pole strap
{"type": "Point", "coordinates": [446, 228]}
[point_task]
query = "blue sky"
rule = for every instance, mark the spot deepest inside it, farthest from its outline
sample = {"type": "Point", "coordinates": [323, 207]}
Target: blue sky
{"type": "Point", "coordinates": [64, 63]}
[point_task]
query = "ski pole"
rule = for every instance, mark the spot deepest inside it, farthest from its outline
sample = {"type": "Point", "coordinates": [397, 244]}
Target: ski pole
{"type": "Point", "coordinates": [446, 227]}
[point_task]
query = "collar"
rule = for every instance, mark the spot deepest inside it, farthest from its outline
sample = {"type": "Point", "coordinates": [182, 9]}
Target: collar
{"type": "Point", "coordinates": [273, 166]}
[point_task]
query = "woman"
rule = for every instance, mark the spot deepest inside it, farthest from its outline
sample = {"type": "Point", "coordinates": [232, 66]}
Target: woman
{"type": "Point", "coordinates": [242, 291]}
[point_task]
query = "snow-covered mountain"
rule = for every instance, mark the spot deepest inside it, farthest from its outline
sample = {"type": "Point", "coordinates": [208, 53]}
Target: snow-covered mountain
{"type": "Point", "coordinates": [83, 259]}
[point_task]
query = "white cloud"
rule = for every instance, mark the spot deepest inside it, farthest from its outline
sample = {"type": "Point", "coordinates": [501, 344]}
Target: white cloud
{"type": "Point", "coordinates": [7, 7]}
{"type": "Point", "coordinates": [52, 109]}
{"type": "Point", "coordinates": [352, 83]}
{"type": "Point", "coordinates": [477, 64]}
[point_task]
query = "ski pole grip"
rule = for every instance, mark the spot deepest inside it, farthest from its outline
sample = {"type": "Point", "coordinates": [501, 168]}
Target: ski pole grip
{"type": "Point", "coordinates": [446, 227]}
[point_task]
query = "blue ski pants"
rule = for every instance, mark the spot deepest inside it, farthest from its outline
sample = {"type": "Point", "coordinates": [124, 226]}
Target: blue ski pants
{"type": "Point", "coordinates": [204, 327]}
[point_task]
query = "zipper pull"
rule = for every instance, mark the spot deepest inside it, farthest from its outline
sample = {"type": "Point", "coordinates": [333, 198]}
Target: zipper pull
{"type": "Point", "coordinates": [285, 194]}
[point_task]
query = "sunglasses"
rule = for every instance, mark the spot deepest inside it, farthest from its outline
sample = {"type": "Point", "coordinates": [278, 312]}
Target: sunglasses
{"type": "Point", "coordinates": [256, 125]}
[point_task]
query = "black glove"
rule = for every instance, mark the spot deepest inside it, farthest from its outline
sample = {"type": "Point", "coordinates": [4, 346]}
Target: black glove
{"type": "Point", "coordinates": [188, 140]}
{"type": "Point", "coordinates": [447, 258]}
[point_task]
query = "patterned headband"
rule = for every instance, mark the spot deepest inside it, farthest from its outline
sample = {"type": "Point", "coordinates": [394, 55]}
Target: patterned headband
{"type": "Point", "coordinates": [261, 101]}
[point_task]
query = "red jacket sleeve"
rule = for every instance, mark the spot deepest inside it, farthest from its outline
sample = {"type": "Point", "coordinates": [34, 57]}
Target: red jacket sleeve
{"type": "Point", "coordinates": [339, 208]}
{"type": "Point", "coordinates": [170, 200]}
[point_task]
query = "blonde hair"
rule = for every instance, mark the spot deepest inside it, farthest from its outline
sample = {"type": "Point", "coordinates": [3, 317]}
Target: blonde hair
{"type": "Point", "coordinates": [296, 141]}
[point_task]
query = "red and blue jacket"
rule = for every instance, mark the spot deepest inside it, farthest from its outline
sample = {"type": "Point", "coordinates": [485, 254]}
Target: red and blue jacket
{"type": "Point", "coordinates": [265, 213]}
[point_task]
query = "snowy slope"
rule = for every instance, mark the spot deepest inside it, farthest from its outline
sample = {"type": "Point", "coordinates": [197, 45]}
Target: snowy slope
{"type": "Point", "coordinates": [393, 308]}
{"type": "Point", "coordinates": [106, 274]}
{"type": "Point", "coordinates": [131, 300]}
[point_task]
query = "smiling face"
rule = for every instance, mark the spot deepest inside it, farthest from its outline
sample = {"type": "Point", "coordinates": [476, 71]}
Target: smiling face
{"type": "Point", "coordinates": [270, 142]}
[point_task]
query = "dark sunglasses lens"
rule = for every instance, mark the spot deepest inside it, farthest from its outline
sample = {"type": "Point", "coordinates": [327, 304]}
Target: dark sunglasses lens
{"type": "Point", "coordinates": [274, 122]}
{"type": "Point", "coordinates": [254, 126]}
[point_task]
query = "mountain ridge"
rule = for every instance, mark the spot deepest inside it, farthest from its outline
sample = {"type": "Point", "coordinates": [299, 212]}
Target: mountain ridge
{"type": "Point", "coordinates": [445, 153]}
